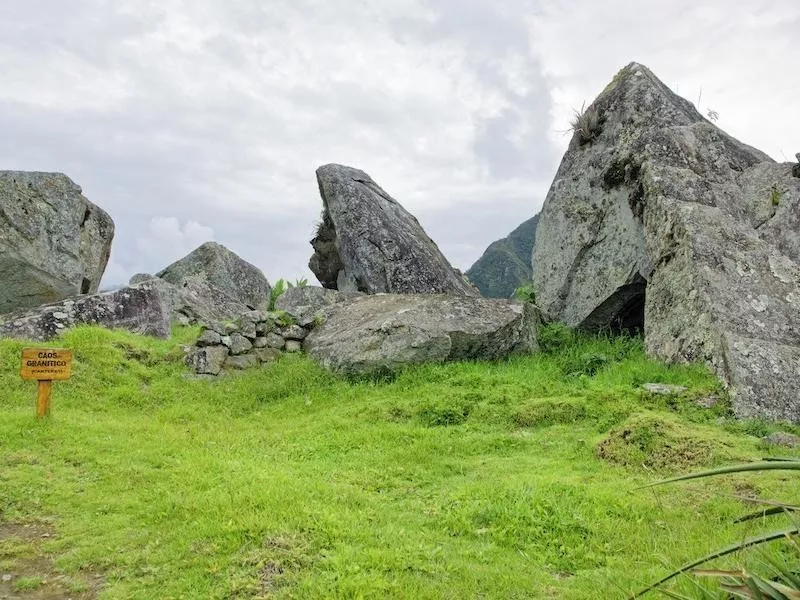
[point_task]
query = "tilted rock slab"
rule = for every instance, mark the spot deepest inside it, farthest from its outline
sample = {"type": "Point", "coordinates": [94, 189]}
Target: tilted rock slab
{"type": "Point", "coordinates": [224, 269]}
{"type": "Point", "coordinates": [142, 309]}
{"type": "Point", "coordinates": [658, 218]}
{"type": "Point", "coordinates": [383, 333]}
{"type": "Point", "coordinates": [368, 243]}
{"type": "Point", "coordinates": [54, 243]}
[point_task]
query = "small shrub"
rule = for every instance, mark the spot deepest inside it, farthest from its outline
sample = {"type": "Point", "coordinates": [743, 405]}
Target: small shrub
{"type": "Point", "coordinates": [525, 293]}
{"type": "Point", "coordinates": [283, 318]}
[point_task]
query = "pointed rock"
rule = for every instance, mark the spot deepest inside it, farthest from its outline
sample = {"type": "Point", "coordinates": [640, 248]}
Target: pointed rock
{"type": "Point", "coordinates": [228, 272]}
{"type": "Point", "coordinates": [368, 243]}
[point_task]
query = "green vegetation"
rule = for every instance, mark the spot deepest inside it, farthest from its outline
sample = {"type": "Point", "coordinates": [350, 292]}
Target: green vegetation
{"type": "Point", "coordinates": [775, 195]}
{"type": "Point", "coordinates": [781, 580]}
{"type": "Point", "coordinates": [28, 583]}
{"type": "Point", "coordinates": [526, 293]}
{"type": "Point", "coordinates": [517, 479]}
{"type": "Point", "coordinates": [281, 286]}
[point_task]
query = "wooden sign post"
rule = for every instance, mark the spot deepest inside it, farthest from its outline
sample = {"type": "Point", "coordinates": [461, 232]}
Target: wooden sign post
{"type": "Point", "coordinates": [45, 365]}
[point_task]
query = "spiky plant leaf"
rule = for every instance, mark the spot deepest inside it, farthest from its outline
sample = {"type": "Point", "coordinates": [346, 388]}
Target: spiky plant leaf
{"type": "Point", "coordinates": [754, 541]}
{"type": "Point", "coordinates": [779, 509]}
{"type": "Point", "coordinates": [793, 465]}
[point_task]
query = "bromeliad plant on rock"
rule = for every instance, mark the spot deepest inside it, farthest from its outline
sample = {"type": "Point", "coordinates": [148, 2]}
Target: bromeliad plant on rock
{"type": "Point", "coordinates": [783, 581]}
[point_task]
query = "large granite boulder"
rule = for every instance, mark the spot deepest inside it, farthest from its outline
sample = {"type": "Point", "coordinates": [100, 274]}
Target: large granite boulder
{"type": "Point", "coordinates": [54, 243]}
{"type": "Point", "coordinates": [195, 300]}
{"type": "Point", "coordinates": [506, 263]}
{"type": "Point", "coordinates": [213, 262]}
{"type": "Point", "coordinates": [308, 304]}
{"type": "Point", "coordinates": [142, 309]}
{"type": "Point", "coordinates": [368, 243]}
{"type": "Point", "coordinates": [659, 220]}
{"type": "Point", "coordinates": [383, 333]}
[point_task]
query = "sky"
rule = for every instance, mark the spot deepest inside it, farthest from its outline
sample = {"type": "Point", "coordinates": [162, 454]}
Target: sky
{"type": "Point", "coordinates": [198, 120]}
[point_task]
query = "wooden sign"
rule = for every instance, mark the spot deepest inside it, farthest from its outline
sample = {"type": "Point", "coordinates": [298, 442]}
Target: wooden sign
{"type": "Point", "coordinates": [45, 365]}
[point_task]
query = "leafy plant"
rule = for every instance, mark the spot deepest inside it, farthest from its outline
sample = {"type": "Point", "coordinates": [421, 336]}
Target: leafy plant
{"type": "Point", "coordinates": [741, 583]}
{"type": "Point", "coordinates": [525, 293]}
{"type": "Point", "coordinates": [280, 288]}
{"type": "Point", "coordinates": [276, 292]}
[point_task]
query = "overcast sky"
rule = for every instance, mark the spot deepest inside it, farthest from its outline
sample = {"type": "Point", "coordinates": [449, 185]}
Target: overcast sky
{"type": "Point", "coordinates": [191, 120]}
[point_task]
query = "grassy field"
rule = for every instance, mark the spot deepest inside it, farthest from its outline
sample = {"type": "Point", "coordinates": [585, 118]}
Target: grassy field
{"type": "Point", "coordinates": [510, 480]}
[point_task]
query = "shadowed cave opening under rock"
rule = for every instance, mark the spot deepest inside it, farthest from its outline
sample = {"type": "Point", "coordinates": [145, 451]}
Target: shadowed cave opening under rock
{"type": "Point", "coordinates": [622, 312]}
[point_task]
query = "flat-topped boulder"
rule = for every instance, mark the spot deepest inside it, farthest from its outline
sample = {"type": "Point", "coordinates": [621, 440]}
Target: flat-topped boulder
{"type": "Point", "coordinates": [659, 221]}
{"type": "Point", "coordinates": [54, 243]}
{"type": "Point", "coordinates": [367, 242]}
{"type": "Point", "coordinates": [384, 333]}
{"type": "Point", "coordinates": [308, 304]}
{"type": "Point", "coordinates": [225, 270]}
{"type": "Point", "coordinates": [142, 309]}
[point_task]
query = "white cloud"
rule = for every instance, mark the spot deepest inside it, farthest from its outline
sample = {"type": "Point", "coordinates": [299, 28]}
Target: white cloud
{"type": "Point", "coordinates": [165, 241]}
{"type": "Point", "coordinates": [219, 111]}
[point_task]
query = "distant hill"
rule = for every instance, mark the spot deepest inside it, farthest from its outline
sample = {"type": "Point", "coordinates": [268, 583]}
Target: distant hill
{"type": "Point", "coordinates": [506, 263]}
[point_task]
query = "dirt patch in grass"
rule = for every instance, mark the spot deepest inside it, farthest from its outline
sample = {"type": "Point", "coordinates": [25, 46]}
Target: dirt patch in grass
{"type": "Point", "coordinates": [27, 571]}
{"type": "Point", "coordinates": [656, 443]}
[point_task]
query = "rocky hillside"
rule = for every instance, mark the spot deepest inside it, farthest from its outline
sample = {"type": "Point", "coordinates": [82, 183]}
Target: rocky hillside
{"type": "Point", "coordinates": [505, 265]}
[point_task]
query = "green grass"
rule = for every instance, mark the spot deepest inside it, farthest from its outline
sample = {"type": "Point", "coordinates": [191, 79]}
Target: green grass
{"type": "Point", "coordinates": [457, 481]}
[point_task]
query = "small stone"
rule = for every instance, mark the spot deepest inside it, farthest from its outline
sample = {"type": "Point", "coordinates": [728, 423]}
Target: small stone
{"type": "Point", "coordinates": [215, 326]}
{"type": "Point", "coordinates": [248, 329]}
{"type": "Point", "coordinates": [226, 340]}
{"type": "Point", "coordinates": [239, 344]}
{"type": "Point", "coordinates": [6, 578]}
{"type": "Point", "coordinates": [209, 338]}
{"type": "Point", "coordinates": [294, 346]}
{"type": "Point", "coordinates": [241, 362]}
{"type": "Point", "coordinates": [661, 389]}
{"type": "Point", "coordinates": [182, 319]}
{"type": "Point", "coordinates": [266, 355]}
{"type": "Point", "coordinates": [275, 341]}
{"type": "Point", "coordinates": [230, 328]}
{"type": "Point", "coordinates": [256, 316]}
{"type": "Point", "coordinates": [294, 332]}
{"type": "Point", "coordinates": [209, 360]}
{"type": "Point", "coordinates": [60, 315]}
{"type": "Point", "coordinates": [264, 326]}
{"type": "Point", "coordinates": [260, 342]}
{"type": "Point", "coordinates": [781, 438]}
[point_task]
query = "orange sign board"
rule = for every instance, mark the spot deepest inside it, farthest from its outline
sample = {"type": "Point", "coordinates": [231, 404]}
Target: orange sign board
{"type": "Point", "coordinates": [46, 364]}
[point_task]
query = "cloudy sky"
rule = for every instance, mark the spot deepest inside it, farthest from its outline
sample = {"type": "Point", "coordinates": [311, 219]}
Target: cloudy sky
{"type": "Point", "coordinates": [191, 120]}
